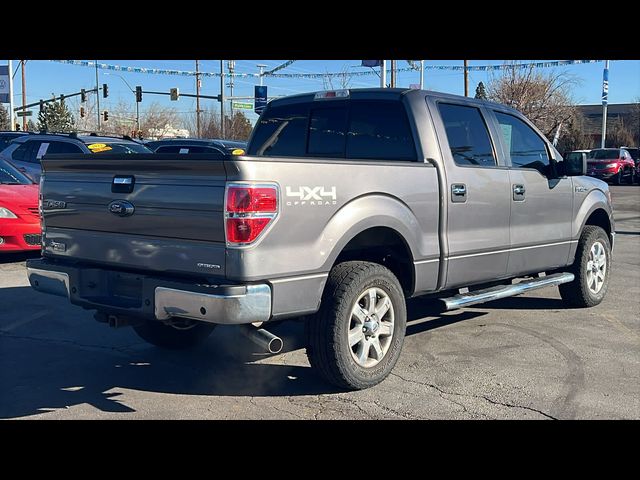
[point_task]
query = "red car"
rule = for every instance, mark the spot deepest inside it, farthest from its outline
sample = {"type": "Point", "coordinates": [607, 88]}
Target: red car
{"type": "Point", "coordinates": [19, 218]}
{"type": "Point", "coordinates": [611, 164]}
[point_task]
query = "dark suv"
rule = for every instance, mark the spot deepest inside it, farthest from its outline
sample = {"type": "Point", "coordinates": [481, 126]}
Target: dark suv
{"type": "Point", "coordinates": [6, 137]}
{"type": "Point", "coordinates": [196, 145]}
{"type": "Point", "coordinates": [25, 152]}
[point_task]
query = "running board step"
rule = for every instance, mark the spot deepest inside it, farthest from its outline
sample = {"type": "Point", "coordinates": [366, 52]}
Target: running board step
{"type": "Point", "coordinates": [503, 291]}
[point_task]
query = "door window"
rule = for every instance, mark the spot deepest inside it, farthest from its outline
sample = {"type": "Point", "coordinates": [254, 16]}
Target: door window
{"type": "Point", "coordinates": [468, 135]}
{"type": "Point", "coordinates": [525, 147]}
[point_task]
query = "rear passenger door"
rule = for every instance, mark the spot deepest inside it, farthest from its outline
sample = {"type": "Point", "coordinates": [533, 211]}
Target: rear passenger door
{"type": "Point", "coordinates": [478, 195]}
{"type": "Point", "coordinates": [541, 207]}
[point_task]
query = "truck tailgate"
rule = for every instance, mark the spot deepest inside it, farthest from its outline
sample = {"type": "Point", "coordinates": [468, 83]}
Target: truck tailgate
{"type": "Point", "coordinates": [158, 212]}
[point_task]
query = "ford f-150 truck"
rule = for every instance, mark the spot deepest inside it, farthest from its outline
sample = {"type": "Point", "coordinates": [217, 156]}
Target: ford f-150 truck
{"type": "Point", "coordinates": [346, 203]}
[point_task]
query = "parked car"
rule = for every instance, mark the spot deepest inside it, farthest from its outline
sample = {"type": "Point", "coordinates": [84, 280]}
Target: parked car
{"type": "Point", "coordinates": [6, 137]}
{"type": "Point", "coordinates": [611, 164]}
{"type": "Point", "coordinates": [635, 154]}
{"type": "Point", "coordinates": [197, 145]}
{"type": "Point", "coordinates": [25, 152]}
{"type": "Point", "coordinates": [346, 203]}
{"type": "Point", "coordinates": [19, 217]}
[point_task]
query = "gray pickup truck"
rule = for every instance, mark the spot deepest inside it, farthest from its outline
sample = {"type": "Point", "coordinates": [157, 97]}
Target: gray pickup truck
{"type": "Point", "coordinates": [345, 204]}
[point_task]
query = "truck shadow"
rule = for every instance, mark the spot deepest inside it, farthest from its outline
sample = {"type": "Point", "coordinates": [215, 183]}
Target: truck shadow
{"type": "Point", "coordinates": [13, 257]}
{"type": "Point", "coordinates": [66, 359]}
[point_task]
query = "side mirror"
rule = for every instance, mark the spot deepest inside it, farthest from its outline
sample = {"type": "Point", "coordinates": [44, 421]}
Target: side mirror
{"type": "Point", "coordinates": [575, 166]}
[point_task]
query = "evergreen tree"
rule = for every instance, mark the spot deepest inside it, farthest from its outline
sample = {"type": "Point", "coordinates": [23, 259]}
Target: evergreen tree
{"type": "Point", "coordinates": [481, 92]}
{"type": "Point", "coordinates": [4, 118]}
{"type": "Point", "coordinates": [55, 117]}
{"type": "Point", "coordinates": [31, 126]}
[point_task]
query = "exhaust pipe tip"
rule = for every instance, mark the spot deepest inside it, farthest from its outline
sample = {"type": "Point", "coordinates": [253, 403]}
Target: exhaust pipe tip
{"type": "Point", "coordinates": [263, 338]}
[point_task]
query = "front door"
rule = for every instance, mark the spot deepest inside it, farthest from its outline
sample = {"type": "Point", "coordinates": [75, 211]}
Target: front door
{"type": "Point", "coordinates": [541, 208]}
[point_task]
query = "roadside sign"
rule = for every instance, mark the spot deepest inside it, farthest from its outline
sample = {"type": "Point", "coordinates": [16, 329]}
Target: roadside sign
{"type": "Point", "coordinates": [24, 113]}
{"type": "Point", "coordinates": [242, 105]}
{"type": "Point", "coordinates": [4, 84]}
{"type": "Point", "coordinates": [260, 101]}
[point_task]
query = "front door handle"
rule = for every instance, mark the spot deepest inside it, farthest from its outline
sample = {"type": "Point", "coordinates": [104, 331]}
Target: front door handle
{"type": "Point", "coordinates": [458, 193]}
{"type": "Point", "coordinates": [518, 192]}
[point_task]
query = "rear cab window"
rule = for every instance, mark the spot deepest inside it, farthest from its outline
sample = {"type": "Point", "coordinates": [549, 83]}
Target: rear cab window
{"type": "Point", "coordinates": [468, 135]}
{"type": "Point", "coordinates": [342, 129]}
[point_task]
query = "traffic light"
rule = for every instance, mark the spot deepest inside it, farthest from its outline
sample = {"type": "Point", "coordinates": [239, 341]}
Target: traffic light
{"type": "Point", "coordinates": [81, 112]}
{"type": "Point", "coordinates": [105, 90]}
{"type": "Point", "coordinates": [138, 93]}
{"type": "Point", "coordinates": [105, 116]}
{"type": "Point", "coordinates": [83, 95]}
{"type": "Point", "coordinates": [41, 105]}
{"type": "Point", "coordinates": [174, 93]}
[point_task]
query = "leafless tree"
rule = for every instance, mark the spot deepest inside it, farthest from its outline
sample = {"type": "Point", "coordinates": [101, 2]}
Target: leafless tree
{"type": "Point", "coordinates": [237, 127]}
{"type": "Point", "coordinates": [342, 80]}
{"type": "Point", "coordinates": [619, 135]}
{"type": "Point", "coordinates": [545, 98]}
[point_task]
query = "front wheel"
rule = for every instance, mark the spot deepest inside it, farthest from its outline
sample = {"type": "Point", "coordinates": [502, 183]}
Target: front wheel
{"type": "Point", "coordinates": [179, 335]}
{"type": "Point", "coordinates": [592, 268]}
{"type": "Point", "coordinates": [356, 338]}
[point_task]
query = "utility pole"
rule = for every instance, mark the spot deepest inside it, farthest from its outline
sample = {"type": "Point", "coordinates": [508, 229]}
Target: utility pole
{"type": "Point", "coordinates": [198, 98]}
{"type": "Point", "coordinates": [261, 67]}
{"type": "Point", "coordinates": [383, 74]}
{"type": "Point", "coordinates": [97, 96]}
{"type": "Point", "coordinates": [222, 98]}
{"type": "Point", "coordinates": [232, 66]}
{"type": "Point", "coordinates": [605, 101]}
{"type": "Point", "coordinates": [393, 74]}
{"type": "Point", "coordinates": [10, 68]}
{"type": "Point", "coordinates": [24, 97]}
{"type": "Point", "coordinates": [421, 74]}
{"type": "Point", "coordinates": [466, 78]}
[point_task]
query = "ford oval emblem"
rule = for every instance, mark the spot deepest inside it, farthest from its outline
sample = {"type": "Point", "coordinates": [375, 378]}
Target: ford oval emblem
{"type": "Point", "coordinates": [122, 208]}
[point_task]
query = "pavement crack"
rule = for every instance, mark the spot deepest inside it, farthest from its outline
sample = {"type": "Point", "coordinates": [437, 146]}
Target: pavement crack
{"type": "Point", "coordinates": [483, 397]}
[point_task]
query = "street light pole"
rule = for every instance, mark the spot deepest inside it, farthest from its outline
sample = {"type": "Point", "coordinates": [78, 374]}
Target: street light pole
{"type": "Point", "coordinates": [421, 74]}
{"type": "Point", "coordinates": [222, 98]}
{"type": "Point", "coordinates": [383, 74]}
{"type": "Point", "coordinates": [24, 97]}
{"type": "Point", "coordinates": [466, 78]}
{"type": "Point", "coordinates": [198, 98]}
{"type": "Point", "coordinates": [261, 67]}
{"type": "Point", "coordinates": [97, 96]}
{"type": "Point", "coordinates": [10, 67]}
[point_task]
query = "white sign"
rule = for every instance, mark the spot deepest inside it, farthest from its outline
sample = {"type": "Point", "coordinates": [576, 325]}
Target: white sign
{"type": "Point", "coordinates": [42, 150]}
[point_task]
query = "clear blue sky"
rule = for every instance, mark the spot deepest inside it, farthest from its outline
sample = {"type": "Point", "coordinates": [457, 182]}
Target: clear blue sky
{"type": "Point", "coordinates": [45, 77]}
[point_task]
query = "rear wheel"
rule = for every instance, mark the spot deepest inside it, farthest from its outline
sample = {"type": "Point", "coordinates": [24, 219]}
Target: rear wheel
{"type": "Point", "coordinates": [356, 338]}
{"type": "Point", "coordinates": [591, 269]}
{"type": "Point", "coordinates": [179, 335]}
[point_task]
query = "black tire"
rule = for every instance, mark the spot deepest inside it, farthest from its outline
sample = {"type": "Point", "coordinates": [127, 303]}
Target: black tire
{"type": "Point", "coordinates": [171, 338]}
{"type": "Point", "coordinates": [327, 344]}
{"type": "Point", "coordinates": [578, 293]}
{"type": "Point", "coordinates": [617, 180]}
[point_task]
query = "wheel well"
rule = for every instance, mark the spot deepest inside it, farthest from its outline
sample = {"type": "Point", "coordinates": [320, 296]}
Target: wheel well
{"type": "Point", "coordinates": [384, 246]}
{"type": "Point", "coordinates": [600, 219]}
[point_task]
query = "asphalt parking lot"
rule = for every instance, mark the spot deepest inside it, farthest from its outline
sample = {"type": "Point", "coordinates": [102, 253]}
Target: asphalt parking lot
{"type": "Point", "coordinates": [520, 358]}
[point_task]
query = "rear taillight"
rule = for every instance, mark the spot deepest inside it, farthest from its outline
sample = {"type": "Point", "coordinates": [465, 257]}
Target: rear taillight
{"type": "Point", "coordinates": [249, 209]}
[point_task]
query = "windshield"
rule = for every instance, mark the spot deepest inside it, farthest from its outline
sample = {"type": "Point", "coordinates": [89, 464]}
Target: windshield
{"type": "Point", "coordinates": [117, 148]}
{"type": "Point", "coordinates": [5, 139]}
{"type": "Point", "coordinates": [9, 175]}
{"type": "Point", "coordinates": [603, 154]}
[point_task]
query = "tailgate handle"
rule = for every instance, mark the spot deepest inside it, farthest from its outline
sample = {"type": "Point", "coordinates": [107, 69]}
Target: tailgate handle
{"type": "Point", "coordinates": [123, 183]}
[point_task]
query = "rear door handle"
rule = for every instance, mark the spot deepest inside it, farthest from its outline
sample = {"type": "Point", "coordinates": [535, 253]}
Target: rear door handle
{"type": "Point", "coordinates": [458, 193]}
{"type": "Point", "coordinates": [518, 192]}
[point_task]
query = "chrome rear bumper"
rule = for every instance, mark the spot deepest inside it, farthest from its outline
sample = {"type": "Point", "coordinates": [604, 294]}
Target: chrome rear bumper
{"type": "Point", "coordinates": [156, 298]}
